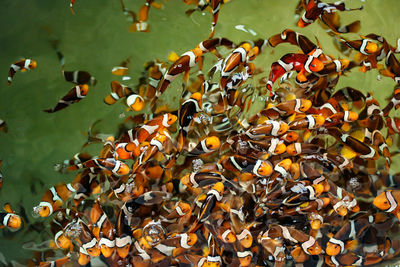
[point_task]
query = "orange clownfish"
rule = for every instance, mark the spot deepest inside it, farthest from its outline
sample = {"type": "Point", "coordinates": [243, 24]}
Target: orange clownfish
{"type": "Point", "coordinates": [211, 44]}
{"type": "Point", "coordinates": [186, 114]}
{"type": "Point", "coordinates": [316, 9]}
{"type": "Point", "coordinates": [155, 125]}
{"type": "Point", "coordinates": [71, 6]}
{"type": "Point", "coordinates": [9, 219]}
{"type": "Point", "coordinates": [3, 126]}
{"type": "Point", "coordinates": [54, 197]}
{"type": "Point", "coordinates": [364, 46]}
{"type": "Point", "coordinates": [298, 62]}
{"type": "Point", "coordinates": [20, 65]}
{"type": "Point", "coordinates": [115, 166]}
{"type": "Point", "coordinates": [388, 201]}
{"type": "Point", "coordinates": [103, 230]}
{"type": "Point", "coordinates": [287, 108]}
{"type": "Point", "coordinates": [294, 38]}
{"type": "Point", "coordinates": [118, 91]}
{"type": "Point", "coordinates": [75, 95]}
{"type": "Point", "coordinates": [207, 145]}
{"type": "Point", "coordinates": [236, 58]}
{"type": "Point", "coordinates": [79, 77]}
{"type": "Point", "coordinates": [394, 102]}
{"type": "Point", "coordinates": [183, 64]}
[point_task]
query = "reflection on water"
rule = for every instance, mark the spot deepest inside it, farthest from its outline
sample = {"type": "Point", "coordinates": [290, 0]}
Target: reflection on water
{"type": "Point", "coordinates": [95, 39]}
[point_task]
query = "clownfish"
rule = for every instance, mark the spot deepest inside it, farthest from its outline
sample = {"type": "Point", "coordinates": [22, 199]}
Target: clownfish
{"type": "Point", "coordinates": [176, 245]}
{"type": "Point", "coordinates": [346, 237]}
{"type": "Point", "coordinates": [122, 69]}
{"type": "Point", "coordinates": [316, 9]}
{"type": "Point", "coordinates": [140, 24]}
{"type": "Point", "coordinates": [287, 108]}
{"type": "Point", "coordinates": [135, 102]}
{"type": "Point", "coordinates": [215, 6]}
{"type": "Point", "coordinates": [388, 201]}
{"type": "Point", "coordinates": [20, 65]}
{"type": "Point", "coordinates": [364, 46]}
{"type": "Point", "coordinates": [155, 125]}
{"type": "Point", "coordinates": [71, 6]}
{"type": "Point", "coordinates": [149, 150]}
{"type": "Point", "coordinates": [56, 263]}
{"type": "Point", "coordinates": [54, 197]}
{"type": "Point", "coordinates": [294, 38]}
{"type": "Point", "coordinates": [393, 125]}
{"type": "Point", "coordinates": [340, 118]}
{"type": "Point", "coordinates": [61, 239]}
{"type": "Point", "coordinates": [341, 200]}
{"type": "Point", "coordinates": [353, 259]}
{"type": "Point", "coordinates": [236, 163]}
{"type": "Point", "coordinates": [184, 63]}
{"type": "Point", "coordinates": [118, 91]}
{"type": "Point", "coordinates": [181, 209]}
{"type": "Point", "coordinates": [9, 219]}
{"type": "Point", "coordinates": [363, 150]}
{"type": "Point", "coordinates": [273, 246]}
{"type": "Point", "coordinates": [348, 94]}
{"type": "Point", "coordinates": [103, 230]}
{"type": "Point", "coordinates": [235, 59]}
{"type": "Point", "coordinates": [88, 244]}
{"type": "Point", "coordinates": [186, 114]}
{"type": "Point", "coordinates": [308, 122]}
{"type": "Point", "coordinates": [75, 95]}
{"type": "Point", "coordinates": [332, 20]}
{"type": "Point", "coordinates": [201, 179]}
{"type": "Point", "coordinates": [336, 66]}
{"type": "Point", "coordinates": [303, 148]}
{"type": "Point", "coordinates": [211, 44]}
{"type": "Point", "coordinates": [79, 77]}
{"type": "Point", "coordinates": [3, 126]}
{"type": "Point", "coordinates": [213, 196]}
{"type": "Point", "coordinates": [392, 67]}
{"type": "Point", "coordinates": [123, 239]}
{"type": "Point", "coordinates": [205, 146]}
{"type": "Point", "coordinates": [115, 166]}
{"type": "Point", "coordinates": [269, 127]}
{"type": "Point", "coordinates": [156, 71]}
{"type": "Point", "coordinates": [380, 142]}
{"type": "Point", "coordinates": [298, 62]}
{"type": "Point", "coordinates": [394, 102]}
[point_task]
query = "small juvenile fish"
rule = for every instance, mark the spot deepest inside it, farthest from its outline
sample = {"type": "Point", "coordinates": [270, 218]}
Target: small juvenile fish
{"type": "Point", "coordinates": [20, 65]}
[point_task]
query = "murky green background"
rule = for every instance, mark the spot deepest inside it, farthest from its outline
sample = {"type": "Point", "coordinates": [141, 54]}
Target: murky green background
{"type": "Point", "coordinates": [95, 40]}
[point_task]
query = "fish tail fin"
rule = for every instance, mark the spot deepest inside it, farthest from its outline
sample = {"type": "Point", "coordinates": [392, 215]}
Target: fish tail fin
{"type": "Point", "coordinates": [354, 26]}
{"type": "Point", "coordinates": [181, 140]}
{"type": "Point", "coordinates": [190, 12]}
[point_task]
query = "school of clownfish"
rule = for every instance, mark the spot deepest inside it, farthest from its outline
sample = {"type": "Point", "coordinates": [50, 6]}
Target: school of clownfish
{"type": "Point", "coordinates": [208, 185]}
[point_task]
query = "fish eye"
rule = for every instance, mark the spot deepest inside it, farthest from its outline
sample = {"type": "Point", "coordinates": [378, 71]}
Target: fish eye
{"type": "Point", "coordinates": [313, 65]}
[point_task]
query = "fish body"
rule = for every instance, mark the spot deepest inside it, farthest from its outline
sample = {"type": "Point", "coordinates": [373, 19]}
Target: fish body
{"type": "Point", "coordinates": [293, 62]}
{"type": "Point", "coordinates": [75, 95]}
{"type": "Point", "coordinates": [20, 65]}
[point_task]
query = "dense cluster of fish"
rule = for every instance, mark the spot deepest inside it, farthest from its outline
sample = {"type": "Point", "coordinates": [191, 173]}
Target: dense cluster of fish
{"type": "Point", "coordinates": [207, 184]}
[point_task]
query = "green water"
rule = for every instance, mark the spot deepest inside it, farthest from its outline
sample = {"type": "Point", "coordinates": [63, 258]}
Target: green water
{"type": "Point", "coordinates": [95, 40]}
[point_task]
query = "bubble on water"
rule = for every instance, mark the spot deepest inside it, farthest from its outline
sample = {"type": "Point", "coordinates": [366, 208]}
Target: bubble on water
{"type": "Point", "coordinates": [73, 229]}
{"type": "Point", "coordinates": [354, 183]}
{"type": "Point", "coordinates": [197, 164]}
{"type": "Point", "coordinates": [242, 147]}
{"type": "Point", "coordinates": [298, 188]}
